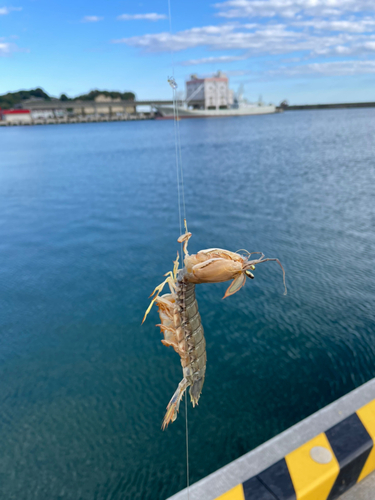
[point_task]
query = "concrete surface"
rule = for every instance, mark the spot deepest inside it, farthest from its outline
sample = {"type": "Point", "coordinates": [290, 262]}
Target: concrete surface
{"type": "Point", "coordinates": [365, 490]}
{"type": "Point", "coordinates": [276, 448]}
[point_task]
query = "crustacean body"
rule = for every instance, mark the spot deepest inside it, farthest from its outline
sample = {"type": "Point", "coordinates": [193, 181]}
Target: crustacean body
{"type": "Point", "coordinates": [180, 321]}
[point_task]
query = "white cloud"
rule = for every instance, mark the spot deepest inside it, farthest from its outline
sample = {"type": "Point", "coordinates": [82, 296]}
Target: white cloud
{"type": "Point", "coordinates": [147, 17]}
{"type": "Point", "coordinates": [289, 8]}
{"type": "Point", "coordinates": [272, 39]}
{"type": "Point", "coordinates": [91, 19]}
{"type": "Point", "coordinates": [313, 31]}
{"type": "Point", "coordinates": [6, 48]}
{"type": "Point", "coordinates": [335, 68]}
{"type": "Point", "coordinates": [239, 72]}
{"type": "Point", "coordinates": [7, 10]}
{"type": "Point", "coordinates": [365, 25]}
{"type": "Point", "coordinates": [212, 60]}
{"type": "Point", "coordinates": [260, 39]}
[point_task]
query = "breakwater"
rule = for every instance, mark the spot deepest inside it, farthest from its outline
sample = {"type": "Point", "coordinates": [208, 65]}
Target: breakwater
{"type": "Point", "coordinates": [78, 119]}
{"type": "Point", "coordinates": [321, 457]}
{"type": "Point", "coordinates": [343, 105]}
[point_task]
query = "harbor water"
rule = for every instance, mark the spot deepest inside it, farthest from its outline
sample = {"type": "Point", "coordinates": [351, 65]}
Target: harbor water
{"type": "Point", "coordinates": [88, 228]}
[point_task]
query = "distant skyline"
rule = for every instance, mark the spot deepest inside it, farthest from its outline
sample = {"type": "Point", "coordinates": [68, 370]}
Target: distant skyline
{"type": "Point", "coordinates": [306, 51]}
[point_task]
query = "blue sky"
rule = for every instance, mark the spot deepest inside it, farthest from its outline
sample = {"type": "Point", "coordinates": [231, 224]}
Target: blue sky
{"type": "Point", "coordinates": [306, 51]}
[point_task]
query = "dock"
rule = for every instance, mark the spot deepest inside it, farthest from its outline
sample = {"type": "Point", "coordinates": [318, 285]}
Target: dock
{"type": "Point", "coordinates": [79, 119]}
{"type": "Point", "coordinates": [56, 112]}
{"type": "Point", "coordinates": [328, 455]}
{"type": "Point", "coordinates": [343, 105]}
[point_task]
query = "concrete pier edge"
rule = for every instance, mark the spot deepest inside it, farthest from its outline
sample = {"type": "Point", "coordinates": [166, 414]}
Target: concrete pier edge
{"type": "Point", "coordinates": [273, 451]}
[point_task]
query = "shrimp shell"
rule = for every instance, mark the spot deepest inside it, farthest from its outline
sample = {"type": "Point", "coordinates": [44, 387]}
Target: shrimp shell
{"type": "Point", "coordinates": [180, 321]}
{"type": "Point", "coordinates": [186, 336]}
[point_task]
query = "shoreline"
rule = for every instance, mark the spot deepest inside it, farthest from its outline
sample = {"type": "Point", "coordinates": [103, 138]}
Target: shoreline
{"type": "Point", "coordinates": [56, 121]}
{"type": "Point", "coordinates": [343, 105]}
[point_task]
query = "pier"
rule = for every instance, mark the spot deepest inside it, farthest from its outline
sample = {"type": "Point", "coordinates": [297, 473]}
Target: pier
{"type": "Point", "coordinates": [56, 112]}
{"type": "Point", "coordinates": [328, 455]}
{"type": "Point", "coordinates": [343, 105]}
{"type": "Point", "coordinates": [83, 107]}
{"type": "Point", "coordinates": [80, 119]}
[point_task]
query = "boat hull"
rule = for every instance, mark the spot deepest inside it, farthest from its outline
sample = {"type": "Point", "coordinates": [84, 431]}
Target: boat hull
{"type": "Point", "coordinates": [167, 112]}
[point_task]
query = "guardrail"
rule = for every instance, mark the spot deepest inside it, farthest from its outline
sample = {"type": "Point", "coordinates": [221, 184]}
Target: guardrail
{"type": "Point", "coordinates": [319, 458]}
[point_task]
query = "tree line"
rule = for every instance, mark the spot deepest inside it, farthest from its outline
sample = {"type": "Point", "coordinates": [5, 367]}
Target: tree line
{"type": "Point", "coordinates": [12, 99]}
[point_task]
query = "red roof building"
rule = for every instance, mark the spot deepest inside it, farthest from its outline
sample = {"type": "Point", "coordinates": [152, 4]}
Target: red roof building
{"type": "Point", "coordinates": [14, 111]}
{"type": "Point", "coordinates": [15, 115]}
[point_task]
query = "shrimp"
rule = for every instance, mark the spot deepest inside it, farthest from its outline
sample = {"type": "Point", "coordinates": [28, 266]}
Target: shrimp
{"type": "Point", "coordinates": [180, 321]}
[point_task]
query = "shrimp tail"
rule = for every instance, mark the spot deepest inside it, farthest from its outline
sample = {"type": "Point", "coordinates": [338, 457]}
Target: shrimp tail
{"type": "Point", "coordinates": [174, 404]}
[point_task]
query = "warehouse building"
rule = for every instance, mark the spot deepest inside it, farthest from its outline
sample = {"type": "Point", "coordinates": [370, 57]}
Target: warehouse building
{"type": "Point", "coordinates": [16, 116]}
{"type": "Point", "coordinates": [209, 93]}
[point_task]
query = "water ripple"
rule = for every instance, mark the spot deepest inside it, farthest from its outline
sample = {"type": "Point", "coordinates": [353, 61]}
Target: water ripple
{"type": "Point", "coordinates": [88, 226]}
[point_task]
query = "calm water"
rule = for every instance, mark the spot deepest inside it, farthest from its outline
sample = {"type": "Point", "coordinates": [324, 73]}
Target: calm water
{"type": "Point", "coordinates": [88, 227]}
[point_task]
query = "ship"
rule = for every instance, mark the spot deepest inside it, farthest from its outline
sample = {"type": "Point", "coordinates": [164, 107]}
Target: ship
{"type": "Point", "coordinates": [167, 112]}
{"type": "Point", "coordinates": [211, 97]}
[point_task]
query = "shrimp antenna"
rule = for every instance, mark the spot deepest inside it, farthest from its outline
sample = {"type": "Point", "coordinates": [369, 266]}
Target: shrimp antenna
{"type": "Point", "coordinates": [276, 260]}
{"type": "Point", "coordinates": [243, 250]}
{"type": "Point", "coordinates": [261, 260]}
{"type": "Point", "coordinates": [250, 253]}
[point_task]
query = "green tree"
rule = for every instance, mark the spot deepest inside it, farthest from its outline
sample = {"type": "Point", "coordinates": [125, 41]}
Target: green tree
{"type": "Point", "coordinates": [14, 98]}
{"type": "Point", "coordinates": [124, 96]}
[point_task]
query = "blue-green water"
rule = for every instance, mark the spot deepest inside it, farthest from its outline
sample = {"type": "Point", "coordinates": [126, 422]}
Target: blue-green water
{"type": "Point", "coordinates": [88, 227]}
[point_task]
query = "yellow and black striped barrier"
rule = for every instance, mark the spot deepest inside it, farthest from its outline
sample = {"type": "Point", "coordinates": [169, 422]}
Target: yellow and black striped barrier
{"type": "Point", "coordinates": [321, 469]}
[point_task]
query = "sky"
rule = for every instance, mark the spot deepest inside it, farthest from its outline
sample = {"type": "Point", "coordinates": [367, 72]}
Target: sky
{"type": "Point", "coordinates": [305, 51]}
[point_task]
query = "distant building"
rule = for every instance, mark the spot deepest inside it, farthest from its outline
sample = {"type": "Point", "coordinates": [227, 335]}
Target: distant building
{"type": "Point", "coordinates": [113, 108]}
{"type": "Point", "coordinates": [89, 107]}
{"type": "Point", "coordinates": [43, 114]}
{"type": "Point", "coordinates": [209, 93]}
{"type": "Point", "coordinates": [101, 106]}
{"type": "Point", "coordinates": [17, 116]}
{"type": "Point", "coordinates": [25, 103]}
{"type": "Point", "coordinates": [104, 98]}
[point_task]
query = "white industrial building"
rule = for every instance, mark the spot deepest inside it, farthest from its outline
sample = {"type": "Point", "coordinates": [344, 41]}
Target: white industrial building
{"type": "Point", "coordinates": [209, 93]}
{"type": "Point", "coordinates": [42, 114]}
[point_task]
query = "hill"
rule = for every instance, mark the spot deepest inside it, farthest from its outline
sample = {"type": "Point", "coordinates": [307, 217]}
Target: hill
{"type": "Point", "coordinates": [124, 96]}
{"type": "Point", "coordinates": [12, 99]}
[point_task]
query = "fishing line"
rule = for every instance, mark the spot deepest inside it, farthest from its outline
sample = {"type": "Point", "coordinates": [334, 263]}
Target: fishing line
{"type": "Point", "coordinates": [177, 161]}
{"type": "Point", "coordinates": [176, 124]}
{"type": "Point", "coordinates": [187, 445]}
{"type": "Point", "coordinates": [181, 171]}
{"type": "Point", "coordinates": [180, 190]}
